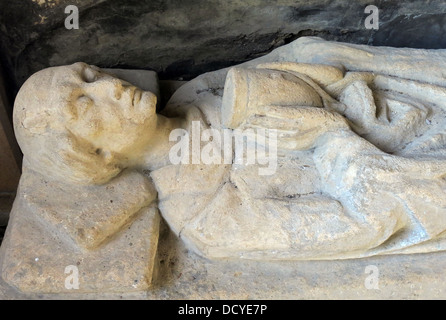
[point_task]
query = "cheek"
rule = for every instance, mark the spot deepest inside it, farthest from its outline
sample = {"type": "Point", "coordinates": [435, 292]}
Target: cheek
{"type": "Point", "coordinates": [129, 133]}
{"type": "Point", "coordinates": [138, 135]}
{"type": "Point", "coordinates": [90, 128]}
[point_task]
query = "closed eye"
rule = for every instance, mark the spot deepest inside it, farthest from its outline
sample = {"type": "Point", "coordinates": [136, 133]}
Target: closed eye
{"type": "Point", "coordinates": [83, 103]}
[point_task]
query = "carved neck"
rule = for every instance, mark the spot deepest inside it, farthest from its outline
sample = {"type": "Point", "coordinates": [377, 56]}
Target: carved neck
{"type": "Point", "coordinates": [156, 154]}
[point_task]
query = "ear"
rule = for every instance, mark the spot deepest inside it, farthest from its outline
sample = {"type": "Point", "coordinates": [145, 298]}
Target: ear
{"type": "Point", "coordinates": [34, 122]}
{"type": "Point", "coordinates": [87, 164]}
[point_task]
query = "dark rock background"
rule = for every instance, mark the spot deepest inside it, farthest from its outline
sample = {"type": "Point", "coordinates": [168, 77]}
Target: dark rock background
{"type": "Point", "coordinates": [2, 233]}
{"type": "Point", "coordinates": [181, 39]}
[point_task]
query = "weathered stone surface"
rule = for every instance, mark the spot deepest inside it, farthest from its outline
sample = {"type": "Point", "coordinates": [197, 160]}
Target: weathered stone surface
{"type": "Point", "coordinates": [359, 168]}
{"type": "Point", "coordinates": [43, 238]}
{"type": "Point", "coordinates": [184, 275]}
{"type": "Point", "coordinates": [90, 216]}
{"type": "Point", "coordinates": [331, 190]}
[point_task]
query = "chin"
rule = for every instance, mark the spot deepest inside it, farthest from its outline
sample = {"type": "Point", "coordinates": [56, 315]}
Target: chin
{"type": "Point", "coordinates": [147, 102]}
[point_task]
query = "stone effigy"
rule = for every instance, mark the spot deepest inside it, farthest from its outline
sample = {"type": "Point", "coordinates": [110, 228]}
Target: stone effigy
{"type": "Point", "coordinates": [316, 151]}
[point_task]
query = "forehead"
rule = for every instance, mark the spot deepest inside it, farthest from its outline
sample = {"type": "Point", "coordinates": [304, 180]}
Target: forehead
{"type": "Point", "coordinates": [52, 89]}
{"type": "Point", "coordinates": [66, 75]}
{"type": "Point", "coordinates": [64, 82]}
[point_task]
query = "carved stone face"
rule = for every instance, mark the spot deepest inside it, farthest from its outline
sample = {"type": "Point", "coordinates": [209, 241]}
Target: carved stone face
{"type": "Point", "coordinates": [79, 122]}
{"type": "Point", "coordinates": [110, 113]}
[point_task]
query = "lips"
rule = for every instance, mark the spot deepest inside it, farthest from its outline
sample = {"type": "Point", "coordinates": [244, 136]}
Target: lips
{"type": "Point", "coordinates": [136, 96]}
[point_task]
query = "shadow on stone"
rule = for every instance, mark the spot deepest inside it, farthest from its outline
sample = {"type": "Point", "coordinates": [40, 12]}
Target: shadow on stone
{"type": "Point", "coordinates": [166, 269]}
